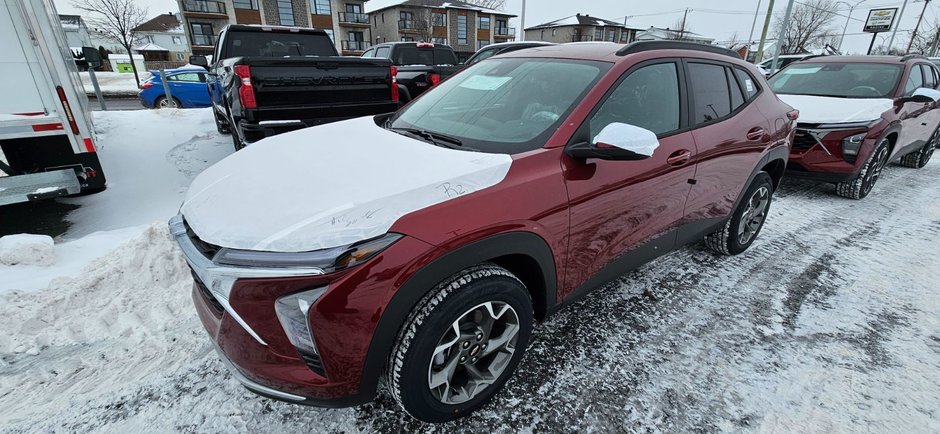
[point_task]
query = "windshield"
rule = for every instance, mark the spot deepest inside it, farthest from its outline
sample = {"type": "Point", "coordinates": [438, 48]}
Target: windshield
{"type": "Point", "coordinates": [843, 80]}
{"type": "Point", "coordinates": [502, 105]}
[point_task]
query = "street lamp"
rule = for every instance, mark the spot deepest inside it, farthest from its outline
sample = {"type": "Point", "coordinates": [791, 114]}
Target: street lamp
{"type": "Point", "coordinates": [847, 19]}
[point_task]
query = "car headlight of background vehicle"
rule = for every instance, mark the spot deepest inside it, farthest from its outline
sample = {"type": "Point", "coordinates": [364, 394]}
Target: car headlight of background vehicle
{"type": "Point", "coordinates": [851, 144]}
{"type": "Point", "coordinates": [330, 259]}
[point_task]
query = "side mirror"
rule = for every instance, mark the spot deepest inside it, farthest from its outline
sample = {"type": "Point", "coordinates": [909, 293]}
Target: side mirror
{"type": "Point", "coordinates": [925, 95]}
{"type": "Point", "coordinates": [617, 141]}
{"type": "Point", "coordinates": [199, 61]}
{"type": "Point", "coordinates": [92, 57]}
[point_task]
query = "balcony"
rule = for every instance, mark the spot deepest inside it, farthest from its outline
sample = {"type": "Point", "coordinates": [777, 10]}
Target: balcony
{"type": "Point", "coordinates": [355, 45]}
{"type": "Point", "coordinates": [505, 32]}
{"type": "Point", "coordinates": [203, 40]}
{"type": "Point", "coordinates": [353, 18]}
{"type": "Point", "coordinates": [204, 7]}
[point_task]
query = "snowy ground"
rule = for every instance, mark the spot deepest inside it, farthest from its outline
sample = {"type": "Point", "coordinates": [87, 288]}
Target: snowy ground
{"type": "Point", "coordinates": [113, 83]}
{"type": "Point", "coordinates": [828, 324]}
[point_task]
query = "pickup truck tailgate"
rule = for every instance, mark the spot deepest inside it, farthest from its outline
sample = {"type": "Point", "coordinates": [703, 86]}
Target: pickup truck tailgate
{"type": "Point", "coordinates": [314, 82]}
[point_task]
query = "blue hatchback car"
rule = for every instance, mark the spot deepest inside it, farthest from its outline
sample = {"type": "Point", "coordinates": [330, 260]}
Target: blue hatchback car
{"type": "Point", "coordinates": [187, 88]}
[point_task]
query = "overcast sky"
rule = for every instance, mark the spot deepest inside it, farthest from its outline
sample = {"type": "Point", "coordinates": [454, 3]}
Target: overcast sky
{"type": "Point", "coordinates": [720, 20]}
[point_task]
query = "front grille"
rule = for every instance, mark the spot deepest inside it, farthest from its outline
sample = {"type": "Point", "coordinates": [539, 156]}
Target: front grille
{"type": "Point", "coordinates": [213, 302]}
{"type": "Point", "coordinates": [207, 250]}
{"type": "Point", "coordinates": [803, 140]}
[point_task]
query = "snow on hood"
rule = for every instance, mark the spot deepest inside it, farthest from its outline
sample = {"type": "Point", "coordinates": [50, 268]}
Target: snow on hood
{"type": "Point", "coordinates": [329, 186]}
{"type": "Point", "coordinates": [829, 110]}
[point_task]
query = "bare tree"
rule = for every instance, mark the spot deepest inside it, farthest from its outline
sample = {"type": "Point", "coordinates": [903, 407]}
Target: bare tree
{"type": "Point", "coordinates": [116, 20]}
{"type": "Point", "coordinates": [682, 27]}
{"type": "Point", "coordinates": [811, 26]}
{"type": "Point", "coordinates": [926, 39]}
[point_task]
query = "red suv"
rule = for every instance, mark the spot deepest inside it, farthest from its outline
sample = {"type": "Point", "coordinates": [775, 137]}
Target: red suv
{"type": "Point", "coordinates": [857, 114]}
{"type": "Point", "coordinates": [422, 246]}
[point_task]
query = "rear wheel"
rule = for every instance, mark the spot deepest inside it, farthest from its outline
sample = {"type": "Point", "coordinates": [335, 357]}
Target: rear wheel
{"type": "Point", "coordinates": [221, 125]}
{"type": "Point", "coordinates": [861, 185]}
{"type": "Point", "coordinates": [460, 344]}
{"type": "Point", "coordinates": [740, 231]}
{"type": "Point", "coordinates": [164, 102]}
{"type": "Point", "coordinates": [921, 157]}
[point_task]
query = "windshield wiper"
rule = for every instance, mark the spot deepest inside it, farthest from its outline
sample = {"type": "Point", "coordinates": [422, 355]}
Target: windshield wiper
{"type": "Point", "coordinates": [442, 140]}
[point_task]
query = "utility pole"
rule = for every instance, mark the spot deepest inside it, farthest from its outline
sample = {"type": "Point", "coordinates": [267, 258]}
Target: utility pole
{"type": "Point", "coordinates": [846, 27]}
{"type": "Point", "coordinates": [898, 25]}
{"type": "Point", "coordinates": [522, 23]}
{"type": "Point", "coordinates": [763, 34]}
{"type": "Point", "coordinates": [914, 35]}
{"type": "Point", "coordinates": [682, 28]}
{"type": "Point", "coordinates": [783, 29]}
{"type": "Point", "coordinates": [750, 37]}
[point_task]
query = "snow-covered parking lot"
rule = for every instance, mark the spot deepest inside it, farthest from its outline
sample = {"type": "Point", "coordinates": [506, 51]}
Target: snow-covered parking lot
{"type": "Point", "coordinates": [829, 323]}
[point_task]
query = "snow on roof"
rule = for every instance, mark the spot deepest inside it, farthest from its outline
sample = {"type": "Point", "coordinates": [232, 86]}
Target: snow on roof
{"type": "Point", "coordinates": [580, 20]}
{"type": "Point", "coordinates": [150, 47]}
{"type": "Point", "coordinates": [377, 5]}
{"type": "Point", "coordinates": [374, 5]}
{"type": "Point", "coordinates": [124, 57]}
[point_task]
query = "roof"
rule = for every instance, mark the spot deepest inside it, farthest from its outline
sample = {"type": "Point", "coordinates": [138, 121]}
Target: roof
{"type": "Point", "coordinates": [150, 47]}
{"type": "Point", "coordinates": [660, 33]}
{"type": "Point", "coordinates": [160, 23]}
{"type": "Point", "coordinates": [580, 20]}
{"type": "Point", "coordinates": [377, 5]}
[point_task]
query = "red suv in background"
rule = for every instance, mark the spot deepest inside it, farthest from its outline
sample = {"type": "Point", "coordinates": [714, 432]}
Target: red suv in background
{"type": "Point", "coordinates": [423, 245]}
{"type": "Point", "coordinates": [857, 114]}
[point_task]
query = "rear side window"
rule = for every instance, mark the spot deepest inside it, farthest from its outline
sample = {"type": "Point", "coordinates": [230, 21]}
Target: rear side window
{"type": "Point", "coordinates": [930, 77]}
{"type": "Point", "coordinates": [748, 82]}
{"type": "Point", "coordinates": [737, 96]}
{"type": "Point", "coordinates": [369, 53]}
{"type": "Point", "coordinates": [711, 97]}
{"type": "Point", "coordinates": [914, 81]}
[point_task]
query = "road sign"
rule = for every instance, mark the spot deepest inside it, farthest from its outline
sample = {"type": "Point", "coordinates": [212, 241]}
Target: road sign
{"type": "Point", "coordinates": [880, 20]}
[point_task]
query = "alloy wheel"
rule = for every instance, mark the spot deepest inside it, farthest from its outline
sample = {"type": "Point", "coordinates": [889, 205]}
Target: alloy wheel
{"type": "Point", "coordinates": [874, 172]}
{"type": "Point", "coordinates": [167, 103]}
{"type": "Point", "coordinates": [473, 352]}
{"type": "Point", "coordinates": [754, 215]}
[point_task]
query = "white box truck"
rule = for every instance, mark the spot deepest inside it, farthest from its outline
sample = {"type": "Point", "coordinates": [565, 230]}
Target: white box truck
{"type": "Point", "coordinates": [47, 144]}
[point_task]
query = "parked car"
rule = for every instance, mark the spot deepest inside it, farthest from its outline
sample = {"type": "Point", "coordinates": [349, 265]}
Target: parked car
{"type": "Point", "coordinates": [266, 80]}
{"type": "Point", "coordinates": [782, 61]}
{"type": "Point", "coordinates": [502, 47]}
{"type": "Point", "coordinates": [416, 249]}
{"type": "Point", "coordinates": [858, 114]}
{"type": "Point", "coordinates": [420, 65]}
{"type": "Point", "coordinates": [187, 89]}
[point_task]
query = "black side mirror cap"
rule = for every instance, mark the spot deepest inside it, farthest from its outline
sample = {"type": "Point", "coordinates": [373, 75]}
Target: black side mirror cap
{"type": "Point", "coordinates": [585, 150]}
{"type": "Point", "coordinates": [199, 61]}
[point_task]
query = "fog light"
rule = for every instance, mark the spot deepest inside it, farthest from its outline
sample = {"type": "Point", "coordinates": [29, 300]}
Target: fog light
{"type": "Point", "coordinates": [851, 144]}
{"type": "Point", "coordinates": [292, 312]}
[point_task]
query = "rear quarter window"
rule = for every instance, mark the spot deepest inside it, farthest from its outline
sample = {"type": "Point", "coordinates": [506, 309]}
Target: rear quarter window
{"type": "Point", "coordinates": [748, 83]}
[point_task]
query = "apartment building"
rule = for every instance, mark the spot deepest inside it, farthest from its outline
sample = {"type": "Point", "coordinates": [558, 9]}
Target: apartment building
{"type": "Point", "coordinates": [344, 20]}
{"type": "Point", "coordinates": [463, 26]}
{"type": "Point", "coordinates": [581, 28]}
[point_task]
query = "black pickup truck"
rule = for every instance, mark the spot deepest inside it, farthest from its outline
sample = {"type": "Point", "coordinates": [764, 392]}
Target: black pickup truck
{"type": "Point", "coordinates": [266, 80]}
{"type": "Point", "coordinates": [420, 64]}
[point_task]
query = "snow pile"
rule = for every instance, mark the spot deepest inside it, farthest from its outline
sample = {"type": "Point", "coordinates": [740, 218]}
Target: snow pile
{"type": "Point", "coordinates": [114, 83]}
{"type": "Point", "coordinates": [27, 249]}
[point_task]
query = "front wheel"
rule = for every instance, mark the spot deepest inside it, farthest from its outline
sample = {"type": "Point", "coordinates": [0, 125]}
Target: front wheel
{"type": "Point", "coordinates": [460, 344]}
{"type": "Point", "coordinates": [859, 186]}
{"type": "Point", "coordinates": [740, 231]}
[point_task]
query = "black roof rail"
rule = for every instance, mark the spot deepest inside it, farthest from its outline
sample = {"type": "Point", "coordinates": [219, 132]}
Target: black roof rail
{"type": "Point", "coordinates": [640, 46]}
{"type": "Point", "coordinates": [913, 56]}
{"type": "Point", "coordinates": [813, 56]}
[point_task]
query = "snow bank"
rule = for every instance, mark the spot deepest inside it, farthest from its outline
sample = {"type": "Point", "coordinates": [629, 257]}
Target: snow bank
{"type": "Point", "coordinates": [27, 249]}
{"type": "Point", "coordinates": [114, 83]}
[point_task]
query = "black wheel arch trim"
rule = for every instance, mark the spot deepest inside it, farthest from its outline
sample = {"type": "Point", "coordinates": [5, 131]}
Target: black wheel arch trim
{"type": "Point", "coordinates": [426, 278]}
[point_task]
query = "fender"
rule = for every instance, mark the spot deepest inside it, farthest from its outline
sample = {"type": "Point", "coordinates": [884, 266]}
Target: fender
{"type": "Point", "coordinates": [428, 276]}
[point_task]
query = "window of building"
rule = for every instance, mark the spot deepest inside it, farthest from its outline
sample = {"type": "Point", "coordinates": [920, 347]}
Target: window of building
{"type": "Point", "coordinates": [437, 19]}
{"type": "Point", "coordinates": [481, 44]}
{"type": "Point", "coordinates": [502, 27]}
{"type": "Point", "coordinates": [439, 41]}
{"type": "Point", "coordinates": [320, 7]}
{"type": "Point", "coordinates": [611, 35]}
{"type": "Point", "coordinates": [406, 20]}
{"type": "Point", "coordinates": [407, 39]}
{"type": "Point", "coordinates": [245, 4]}
{"type": "Point", "coordinates": [180, 56]}
{"type": "Point", "coordinates": [624, 36]}
{"type": "Point", "coordinates": [599, 34]}
{"type": "Point", "coordinates": [461, 30]}
{"type": "Point", "coordinates": [483, 23]}
{"type": "Point", "coordinates": [554, 32]}
{"type": "Point", "coordinates": [656, 109]}
{"type": "Point", "coordinates": [285, 12]}
{"type": "Point", "coordinates": [710, 92]}
{"type": "Point", "coordinates": [354, 8]}
{"type": "Point", "coordinates": [202, 33]}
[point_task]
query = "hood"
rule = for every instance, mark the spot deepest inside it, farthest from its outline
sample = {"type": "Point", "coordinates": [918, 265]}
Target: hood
{"type": "Point", "coordinates": [329, 186]}
{"type": "Point", "coordinates": [829, 110]}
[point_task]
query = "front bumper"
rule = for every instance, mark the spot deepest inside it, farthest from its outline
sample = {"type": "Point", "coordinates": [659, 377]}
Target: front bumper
{"type": "Point", "coordinates": [817, 154]}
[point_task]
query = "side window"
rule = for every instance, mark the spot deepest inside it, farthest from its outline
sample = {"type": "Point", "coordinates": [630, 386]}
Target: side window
{"type": "Point", "coordinates": [202, 77]}
{"type": "Point", "coordinates": [914, 81]}
{"type": "Point", "coordinates": [737, 97]}
{"type": "Point", "coordinates": [750, 85]}
{"type": "Point", "coordinates": [647, 98]}
{"type": "Point", "coordinates": [193, 77]}
{"type": "Point", "coordinates": [930, 78]}
{"type": "Point", "coordinates": [711, 97]}
{"type": "Point", "coordinates": [484, 54]}
{"type": "Point", "coordinates": [381, 52]}
{"type": "Point", "coordinates": [369, 53]}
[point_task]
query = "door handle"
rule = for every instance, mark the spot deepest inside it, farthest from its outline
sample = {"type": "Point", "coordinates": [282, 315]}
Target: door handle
{"type": "Point", "coordinates": [679, 157]}
{"type": "Point", "coordinates": [756, 133]}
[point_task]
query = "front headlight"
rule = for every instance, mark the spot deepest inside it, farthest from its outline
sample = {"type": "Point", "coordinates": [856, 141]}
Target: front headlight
{"type": "Point", "coordinates": [851, 144]}
{"type": "Point", "coordinates": [328, 260]}
{"type": "Point", "coordinates": [293, 311]}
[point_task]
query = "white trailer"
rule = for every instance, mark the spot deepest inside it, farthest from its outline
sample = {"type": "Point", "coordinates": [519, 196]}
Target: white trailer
{"type": "Point", "coordinates": [47, 144]}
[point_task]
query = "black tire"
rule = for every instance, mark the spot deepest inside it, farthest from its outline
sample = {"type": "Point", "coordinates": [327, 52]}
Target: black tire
{"type": "Point", "coordinates": [919, 158]}
{"type": "Point", "coordinates": [161, 102]}
{"type": "Point", "coordinates": [410, 364]}
{"type": "Point", "coordinates": [861, 185]}
{"type": "Point", "coordinates": [221, 125]}
{"type": "Point", "coordinates": [236, 141]}
{"type": "Point", "coordinates": [729, 240]}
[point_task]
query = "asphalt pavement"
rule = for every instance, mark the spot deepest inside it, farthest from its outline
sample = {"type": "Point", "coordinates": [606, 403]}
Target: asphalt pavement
{"type": "Point", "coordinates": [116, 103]}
